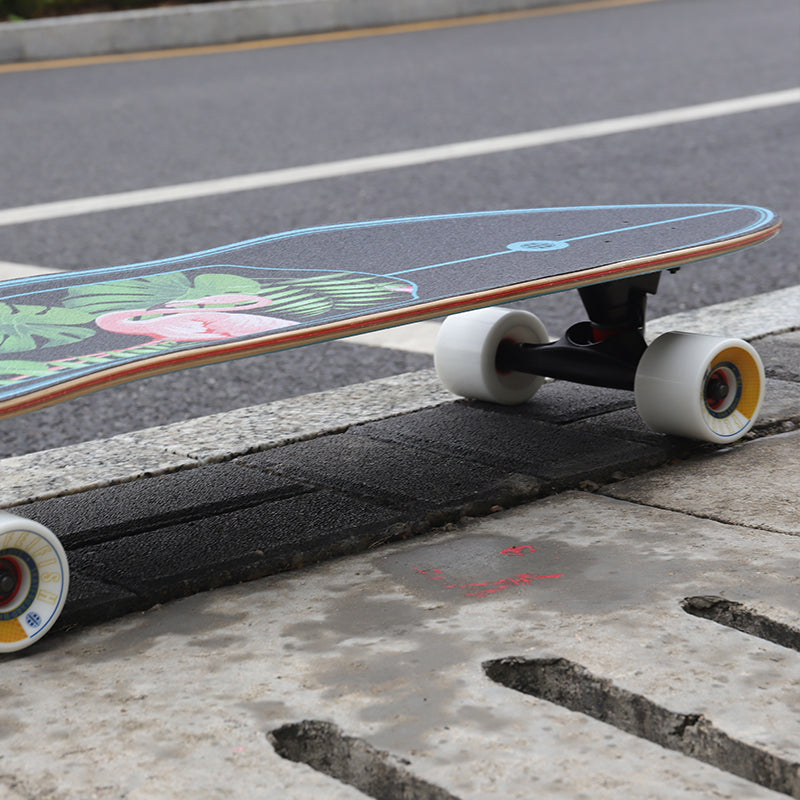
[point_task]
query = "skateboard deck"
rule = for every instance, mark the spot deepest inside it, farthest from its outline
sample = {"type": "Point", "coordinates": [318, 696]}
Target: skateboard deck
{"type": "Point", "coordinates": [69, 334]}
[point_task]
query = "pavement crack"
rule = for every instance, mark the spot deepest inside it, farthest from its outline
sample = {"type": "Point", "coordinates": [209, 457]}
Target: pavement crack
{"type": "Point", "coordinates": [741, 618]}
{"type": "Point", "coordinates": [572, 686]}
{"type": "Point", "coordinates": [649, 503]}
{"type": "Point", "coordinates": [324, 747]}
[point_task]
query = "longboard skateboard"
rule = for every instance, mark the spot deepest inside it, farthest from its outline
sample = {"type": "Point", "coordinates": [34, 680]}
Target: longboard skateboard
{"type": "Point", "coordinates": [68, 334]}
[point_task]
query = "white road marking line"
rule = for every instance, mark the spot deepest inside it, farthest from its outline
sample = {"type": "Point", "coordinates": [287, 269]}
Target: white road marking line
{"type": "Point", "coordinates": [746, 318]}
{"type": "Point", "coordinates": [417, 337]}
{"type": "Point", "coordinates": [386, 161]}
{"type": "Point", "coordinates": [9, 270]}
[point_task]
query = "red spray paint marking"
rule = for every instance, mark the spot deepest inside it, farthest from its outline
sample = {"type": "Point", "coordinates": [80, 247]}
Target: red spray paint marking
{"type": "Point", "coordinates": [492, 587]}
{"type": "Point", "coordinates": [505, 583]}
{"type": "Point", "coordinates": [518, 550]}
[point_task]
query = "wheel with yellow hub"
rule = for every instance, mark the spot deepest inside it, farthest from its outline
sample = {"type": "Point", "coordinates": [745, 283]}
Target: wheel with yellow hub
{"type": "Point", "coordinates": [700, 387]}
{"type": "Point", "coordinates": [34, 579]}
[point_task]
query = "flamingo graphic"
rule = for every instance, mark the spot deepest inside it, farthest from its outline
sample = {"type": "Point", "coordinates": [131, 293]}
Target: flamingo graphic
{"type": "Point", "coordinates": [177, 324]}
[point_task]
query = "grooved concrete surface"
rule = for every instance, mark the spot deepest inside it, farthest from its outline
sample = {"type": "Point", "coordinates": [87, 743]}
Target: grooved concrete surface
{"type": "Point", "coordinates": [398, 552]}
{"type": "Point", "coordinates": [388, 646]}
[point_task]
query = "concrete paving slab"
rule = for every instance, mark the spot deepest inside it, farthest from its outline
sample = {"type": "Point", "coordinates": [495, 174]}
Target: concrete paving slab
{"type": "Point", "coordinates": [562, 402]}
{"type": "Point", "coordinates": [390, 647]}
{"type": "Point", "coordinates": [108, 513]}
{"type": "Point", "coordinates": [746, 318]}
{"type": "Point", "coordinates": [248, 430]}
{"type": "Point", "coordinates": [781, 406]}
{"type": "Point", "coordinates": [242, 544]}
{"type": "Point", "coordinates": [397, 476]}
{"type": "Point", "coordinates": [781, 355]}
{"type": "Point", "coordinates": [666, 605]}
{"type": "Point", "coordinates": [511, 441]}
{"type": "Point", "coordinates": [754, 484]}
{"type": "Point", "coordinates": [51, 473]}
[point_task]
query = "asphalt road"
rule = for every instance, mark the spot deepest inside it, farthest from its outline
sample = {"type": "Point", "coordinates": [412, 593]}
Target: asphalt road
{"type": "Point", "coordinates": [94, 130]}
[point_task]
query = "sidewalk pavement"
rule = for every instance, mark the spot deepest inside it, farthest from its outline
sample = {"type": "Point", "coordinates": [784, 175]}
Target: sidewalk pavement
{"type": "Point", "coordinates": [209, 24]}
{"type": "Point", "coordinates": [453, 600]}
{"type": "Point", "coordinates": [413, 596]}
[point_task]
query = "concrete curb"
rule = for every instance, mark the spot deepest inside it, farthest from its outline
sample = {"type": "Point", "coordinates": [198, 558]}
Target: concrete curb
{"type": "Point", "coordinates": [224, 23]}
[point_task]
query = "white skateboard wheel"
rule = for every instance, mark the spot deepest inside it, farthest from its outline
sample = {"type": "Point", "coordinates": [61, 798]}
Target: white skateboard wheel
{"type": "Point", "coordinates": [466, 350]}
{"type": "Point", "coordinates": [700, 387]}
{"type": "Point", "coordinates": [34, 579]}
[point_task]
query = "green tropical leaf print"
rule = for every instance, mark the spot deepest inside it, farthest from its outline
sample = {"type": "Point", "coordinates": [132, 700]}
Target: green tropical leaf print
{"type": "Point", "coordinates": [22, 369]}
{"type": "Point", "coordinates": [334, 292]}
{"type": "Point", "coordinates": [214, 283]}
{"type": "Point", "coordinates": [294, 298]}
{"type": "Point", "coordinates": [154, 291]}
{"type": "Point", "coordinates": [24, 328]}
{"type": "Point", "coordinates": [15, 372]}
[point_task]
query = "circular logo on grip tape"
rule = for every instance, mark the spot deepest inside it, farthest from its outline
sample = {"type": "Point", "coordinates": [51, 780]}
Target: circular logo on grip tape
{"type": "Point", "coordinates": [538, 245]}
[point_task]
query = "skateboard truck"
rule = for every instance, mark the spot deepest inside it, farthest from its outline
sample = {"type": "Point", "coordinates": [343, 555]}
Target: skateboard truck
{"type": "Point", "coordinates": [603, 351]}
{"type": "Point", "coordinates": [684, 384]}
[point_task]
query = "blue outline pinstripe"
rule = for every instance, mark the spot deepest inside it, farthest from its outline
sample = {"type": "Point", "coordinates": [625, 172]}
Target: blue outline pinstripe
{"type": "Point", "coordinates": [764, 216]}
{"type": "Point", "coordinates": [203, 267]}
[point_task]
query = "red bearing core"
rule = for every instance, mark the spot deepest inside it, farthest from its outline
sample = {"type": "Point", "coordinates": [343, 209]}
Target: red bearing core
{"type": "Point", "coordinates": [10, 580]}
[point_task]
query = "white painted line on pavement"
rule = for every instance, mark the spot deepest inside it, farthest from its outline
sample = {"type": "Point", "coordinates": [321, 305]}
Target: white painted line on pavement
{"type": "Point", "coordinates": [386, 161]}
{"type": "Point", "coordinates": [10, 269]}
{"type": "Point", "coordinates": [746, 318]}
{"type": "Point", "coordinates": [417, 337]}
